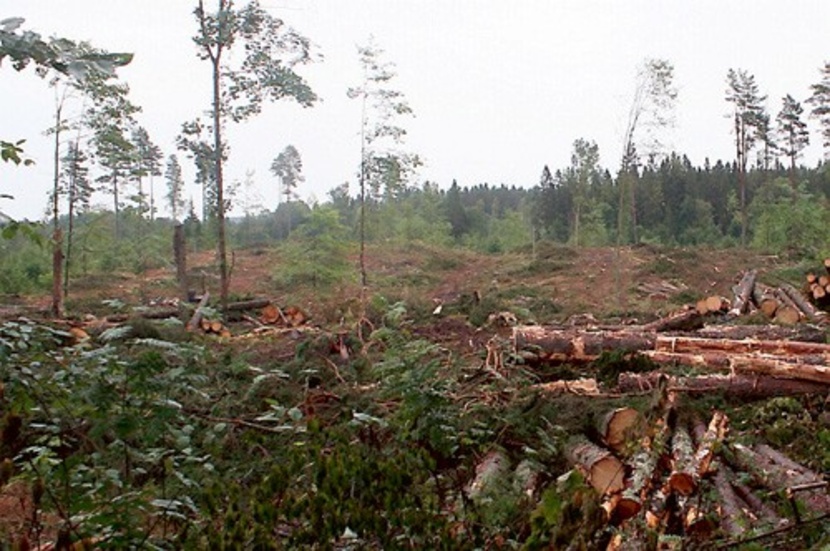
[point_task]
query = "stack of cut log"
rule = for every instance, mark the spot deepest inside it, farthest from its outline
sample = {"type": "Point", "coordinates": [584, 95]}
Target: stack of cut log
{"type": "Point", "coordinates": [670, 478]}
{"type": "Point", "coordinates": [817, 287]}
{"type": "Point", "coordinates": [782, 359]}
{"type": "Point", "coordinates": [783, 304]}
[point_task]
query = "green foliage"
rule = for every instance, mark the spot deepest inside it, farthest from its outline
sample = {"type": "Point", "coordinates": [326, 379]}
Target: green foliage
{"type": "Point", "coordinates": [784, 223]}
{"type": "Point", "coordinates": [316, 252]}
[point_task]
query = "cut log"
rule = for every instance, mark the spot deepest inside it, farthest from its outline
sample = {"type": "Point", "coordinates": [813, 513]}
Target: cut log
{"type": "Point", "coordinates": [779, 477]}
{"type": "Point", "coordinates": [788, 313]}
{"type": "Point", "coordinates": [764, 299]}
{"type": "Point", "coordinates": [750, 363]}
{"type": "Point", "coordinates": [804, 332]}
{"type": "Point", "coordinates": [493, 467]}
{"type": "Point", "coordinates": [196, 320]}
{"type": "Point", "coordinates": [586, 387]}
{"type": "Point", "coordinates": [709, 442]}
{"type": "Point", "coordinates": [684, 476]}
{"type": "Point", "coordinates": [747, 346]}
{"type": "Point", "coordinates": [743, 293]}
{"type": "Point", "coordinates": [573, 345]}
{"type": "Point", "coordinates": [757, 510]}
{"type": "Point", "coordinates": [619, 426]}
{"type": "Point", "coordinates": [827, 265]}
{"type": "Point", "coordinates": [253, 304]}
{"type": "Point", "coordinates": [738, 385]}
{"type": "Point", "coordinates": [734, 519]}
{"type": "Point", "coordinates": [809, 311]}
{"type": "Point", "coordinates": [697, 516]}
{"type": "Point", "coordinates": [216, 327]}
{"type": "Point", "coordinates": [270, 314]}
{"type": "Point", "coordinates": [602, 470]}
{"type": "Point", "coordinates": [684, 320]}
{"type": "Point", "coordinates": [646, 464]}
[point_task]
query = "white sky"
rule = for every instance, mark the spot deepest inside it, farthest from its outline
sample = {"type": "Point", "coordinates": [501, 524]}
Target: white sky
{"type": "Point", "coordinates": [499, 88]}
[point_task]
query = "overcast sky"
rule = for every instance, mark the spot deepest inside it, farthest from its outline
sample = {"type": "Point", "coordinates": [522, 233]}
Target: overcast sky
{"type": "Point", "coordinates": [499, 88]}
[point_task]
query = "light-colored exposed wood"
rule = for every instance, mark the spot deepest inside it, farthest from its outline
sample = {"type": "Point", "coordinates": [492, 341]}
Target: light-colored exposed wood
{"type": "Point", "coordinates": [604, 472]}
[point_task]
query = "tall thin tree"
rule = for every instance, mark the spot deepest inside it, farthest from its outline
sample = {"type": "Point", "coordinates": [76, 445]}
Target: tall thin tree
{"type": "Point", "coordinates": [747, 111]}
{"type": "Point", "coordinates": [384, 166]}
{"type": "Point", "coordinates": [268, 53]}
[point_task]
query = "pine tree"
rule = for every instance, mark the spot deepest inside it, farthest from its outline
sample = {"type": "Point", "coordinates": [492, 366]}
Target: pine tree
{"type": "Point", "coordinates": [820, 100]}
{"type": "Point", "coordinates": [175, 187]}
{"type": "Point", "coordinates": [793, 133]}
{"type": "Point", "coordinates": [747, 102]}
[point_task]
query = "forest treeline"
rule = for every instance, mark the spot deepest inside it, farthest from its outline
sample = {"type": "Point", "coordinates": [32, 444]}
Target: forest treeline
{"type": "Point", "coordinates": [763, 198]}
{"type": "Point", "coordinates": [677, 204]}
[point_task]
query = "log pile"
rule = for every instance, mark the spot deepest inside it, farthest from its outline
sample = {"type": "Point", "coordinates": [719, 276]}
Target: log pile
{"type": "Point", "coordinates": [817, 287]}
{"type": "Point", "coordinates": [677, 482]}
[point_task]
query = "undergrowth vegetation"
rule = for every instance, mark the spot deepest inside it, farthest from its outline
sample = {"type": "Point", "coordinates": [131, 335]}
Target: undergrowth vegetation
{"type": "Point", "coordinates": [146, 437]}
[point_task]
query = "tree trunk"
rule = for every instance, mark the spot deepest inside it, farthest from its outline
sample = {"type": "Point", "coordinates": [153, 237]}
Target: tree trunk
{"type": "Point", "coordinates": [737, 385]}
{"type": "Point", "coordinates": [810, 311]}
{"type": "Point", "coordinates": [602, 470]}
{"type": "Point", "coordinates": [57, 273]}
{"type": "Point", "coordinates": [803, 332]}
{"type": "Point", "coordinates": [684, 477]}
{"type": "Point", "coordinates": [196, 321]}
{"type": "Point", "coordinates": [778, 475]}
{"type": "Point", "coordinates": [180, 255]}
{"type": "Point", "coordinates": [780, 347]}
{"type": "Point", "coordinates": [569, 345]}
{"type": "Point", "coordinates": [743, 293]}
{"type": "Point", "coordinates": [732, 516]}
{"type": "Point", "coordinates": [711, 439]}
{"type": "Point", "coordinates": [224, 283]}
{"type": "Point", "coordinates": [685, 320]}
{"type": "Point", "coordinates": [765, 300]}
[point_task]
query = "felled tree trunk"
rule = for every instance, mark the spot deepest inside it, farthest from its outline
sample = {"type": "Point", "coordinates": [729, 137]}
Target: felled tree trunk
{"type": "Point", "coordinates": [570, 345]}
{"type": "Point", "coordinates": [196, 320]}
{"type": "Point", "coordinates": [697, 344]}
{"type": "Point", "coordinates": [733, 518]}
{"type": "Point", "coordinates": [684, 476]}
{"type": "Point", "coordinates": [765, 300]}
{"type": "Point", "coordinates": [491, 468]}
{"type": "Point", "coordinates": [712, 437]}
{"type": "Point", "coordinates": [743, 293]}
{"type": "Point", "coordinates": [778, 474]}
{"type": "Point", "coordinates": [618, 427]}
{"type": "Point", "coordinates": [739, 385]}
{"type": "Point", "coordinates": [803, 332]}
{"type": "Point", "coordinates": [604, 472]}
{"type": "Point", "coordinates": [810, 311]}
